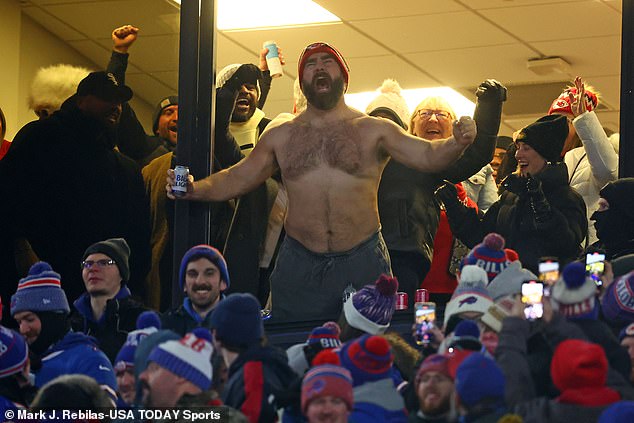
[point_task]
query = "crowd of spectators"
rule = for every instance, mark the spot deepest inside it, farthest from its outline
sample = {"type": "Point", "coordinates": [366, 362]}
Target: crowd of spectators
{"type": "Point", "coordinates": [349, 215]}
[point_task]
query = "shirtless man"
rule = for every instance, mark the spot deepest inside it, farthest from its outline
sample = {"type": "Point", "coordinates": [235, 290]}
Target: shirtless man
{"type": "Point", "coordinates": [331, 158]}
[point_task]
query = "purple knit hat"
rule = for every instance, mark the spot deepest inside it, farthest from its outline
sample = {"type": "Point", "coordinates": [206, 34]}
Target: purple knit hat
{"type": "Point", "coordinates": [618, 301]}
{"type": "Point", "coordinates": [40, 290]}
{"type": "Point", "coordinates": [371, 308]}
{"type": "Point", "coordinates": [211, 254]}
{"type": "Point", "coordinates": [489, 255]}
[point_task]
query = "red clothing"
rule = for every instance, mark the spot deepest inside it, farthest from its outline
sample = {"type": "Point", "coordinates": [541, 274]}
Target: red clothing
{"type": "Point", "coordinates": [438, 279]}
{"type": "Point", "coordinates": [4, 148]}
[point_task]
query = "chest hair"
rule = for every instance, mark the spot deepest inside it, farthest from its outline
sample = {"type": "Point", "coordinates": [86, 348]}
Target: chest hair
{"type": "Point", "coordinates": [337, 146]}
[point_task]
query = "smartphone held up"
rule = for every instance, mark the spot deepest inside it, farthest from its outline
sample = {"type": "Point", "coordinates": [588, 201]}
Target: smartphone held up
{"type": "Point", "coordinates": [532, 297]}
{"type": "Point", "coordinates": [424, 318]}
{"type": "Point", "coordinates": [595, 266]}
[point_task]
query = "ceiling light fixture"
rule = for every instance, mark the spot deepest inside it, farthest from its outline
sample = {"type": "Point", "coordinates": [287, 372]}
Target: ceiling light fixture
{"type": "Point", "coordinates": [548, 66]}
{"type": "Point", "coordinates": [461, 105]}
{"type": "Point", "coordinates": [256, 14]}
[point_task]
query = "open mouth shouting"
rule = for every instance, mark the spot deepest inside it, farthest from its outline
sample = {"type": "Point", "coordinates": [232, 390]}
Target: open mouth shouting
{"type": "Point", "coordinates": [322, 82]}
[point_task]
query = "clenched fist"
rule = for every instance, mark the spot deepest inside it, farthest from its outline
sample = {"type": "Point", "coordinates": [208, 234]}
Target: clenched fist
{"type": "Point", "coordinates": [464, 131]}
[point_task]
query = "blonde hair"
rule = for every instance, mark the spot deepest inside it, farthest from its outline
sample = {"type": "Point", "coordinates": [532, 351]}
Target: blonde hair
{"type": "Point", "coordinates": [432, 103]}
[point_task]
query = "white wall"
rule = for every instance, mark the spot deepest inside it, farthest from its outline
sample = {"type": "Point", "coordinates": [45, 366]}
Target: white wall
{"type": "Point", "coordinates": [25, 47]}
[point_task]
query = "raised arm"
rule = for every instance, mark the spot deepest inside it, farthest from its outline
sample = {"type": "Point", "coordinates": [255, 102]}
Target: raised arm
{"type": "Point", "coordinates": [424, 155]}
{"type": "Point", "coordinates": [490, 96]}
{"type": "Point", "coordinates": [604, 162]}
{"type": "Point", "coordinates": [236, 180]}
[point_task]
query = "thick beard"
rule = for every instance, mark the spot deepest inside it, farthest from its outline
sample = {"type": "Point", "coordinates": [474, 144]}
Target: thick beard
{"type": "Point", "coordinates": [325, 101]}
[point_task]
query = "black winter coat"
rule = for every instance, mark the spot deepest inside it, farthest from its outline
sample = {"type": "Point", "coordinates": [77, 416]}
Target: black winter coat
{"type": "Point", "coordinates": [560, 235]}
{"type": "Point", "coordinates": [65, 188]}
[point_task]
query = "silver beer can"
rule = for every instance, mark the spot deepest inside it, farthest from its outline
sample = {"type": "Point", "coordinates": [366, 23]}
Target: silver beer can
{"type": "Point", "coordinates": [179, 189]}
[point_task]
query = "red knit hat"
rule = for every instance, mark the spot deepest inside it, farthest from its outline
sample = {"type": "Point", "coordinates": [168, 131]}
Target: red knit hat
{"type": "Point", "coordinates": [327, 378]}
{"type": "Point", "coordinates": [321, 47]}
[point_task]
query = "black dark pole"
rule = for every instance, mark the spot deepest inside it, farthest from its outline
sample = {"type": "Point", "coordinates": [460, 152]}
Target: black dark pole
{"type": "Point", "coordinates": [626, 146]}
{"type": "Point", "coordinates": [195, 105]}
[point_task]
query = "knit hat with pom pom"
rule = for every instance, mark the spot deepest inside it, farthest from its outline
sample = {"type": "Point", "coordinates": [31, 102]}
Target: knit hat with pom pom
{"type": "Point", "coordinates": [327, 378]}
{"type": "Point", "coordinates": [471, 293]}
{"type": "Point", "coordinates": [368, 358]}
{"type": "Point", "coordinates": [40, 290]}
{"type": "Point", "coordinates": [575, 292]}
{"type": "Point", "coordinates": [489, 255]}
{"type": "Point", "coordinates": [147, 323]}
{"type": "Point", "coordinates": [371, 308]}
{"type": "Point", "coordinates": [390, 101]}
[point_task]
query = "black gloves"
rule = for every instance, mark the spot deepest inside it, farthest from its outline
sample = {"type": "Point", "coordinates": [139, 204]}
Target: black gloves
{"type": "Point", "coordinates": [530, 188]}
{"type": "Point", "coordinates": [491, 90]}
{"type": "Point", "coordinates": [515, 183]}
{"type": "Point", "coordinates": [540, 208]}
{"type": "Point", "coordinates": [447, 194]}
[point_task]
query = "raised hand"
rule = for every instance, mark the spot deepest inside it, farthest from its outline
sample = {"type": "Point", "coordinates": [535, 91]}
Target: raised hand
{"type": "Point", "coordinates": [464, 131]}
{"type": "Point", "coordinates": [263, 65]}
{"type": "Point", "coordinates": [578, 101]}
{"type": "Point", "coordinates": [123, 37]}
{"type": "Point", "coordinates": [171, 181]}
{"type": "Point", "coordinates": [491, 90]}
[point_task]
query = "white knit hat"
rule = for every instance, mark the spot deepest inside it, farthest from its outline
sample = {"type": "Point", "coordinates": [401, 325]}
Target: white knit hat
{"type": "Point", "coordinates": [189, 358]}
{"type": "Point", "coordinates": [227, 72]}
{"type": "Point", "coordinates": [390, 98]}
{"type": "Point", "coordinates": [470, 294]}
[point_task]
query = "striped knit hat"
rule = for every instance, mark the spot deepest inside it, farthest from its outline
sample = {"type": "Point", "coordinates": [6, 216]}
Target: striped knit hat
{"type": "Point", "coordinates": [489, 255]}
{"type": "Point", "coordinates": [327, 378]}
{"type": "Point", "coordinates": [41, 290]}
{"type": "Point", "coordinates": [575, 293]}
{"type": "Point", "coordinates": [13, 352]}
{"type": "Point", "coordinates": [189, 358]}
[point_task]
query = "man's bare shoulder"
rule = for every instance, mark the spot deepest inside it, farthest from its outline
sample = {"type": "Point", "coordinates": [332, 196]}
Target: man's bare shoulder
{"type": "Point", "coordinates": [376, 125]}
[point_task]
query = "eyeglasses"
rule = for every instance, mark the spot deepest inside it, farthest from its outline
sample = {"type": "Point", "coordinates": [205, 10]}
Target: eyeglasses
{"type": "Point", "coordinates": [88, 264]}
{"type": "Point", "coordinates": [426, 114]}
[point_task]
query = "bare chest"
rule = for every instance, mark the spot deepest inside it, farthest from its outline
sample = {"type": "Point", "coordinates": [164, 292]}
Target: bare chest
{"type": "Point", "coordinates": [310, 148]}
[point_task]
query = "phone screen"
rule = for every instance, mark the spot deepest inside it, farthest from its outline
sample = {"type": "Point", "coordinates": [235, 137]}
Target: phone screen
{"type": "Point", "coordinates": [424, 318]}
{"type": "Point", "coordinates": [595, 265]}
{"type": "Point", "coordinates": [532, 294]}
{"type": "Point", "coordinates": [548, 271]}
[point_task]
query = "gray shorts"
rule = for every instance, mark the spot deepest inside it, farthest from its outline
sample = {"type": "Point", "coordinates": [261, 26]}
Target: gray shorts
{"type": "Point", "coordinates": [309, 286]}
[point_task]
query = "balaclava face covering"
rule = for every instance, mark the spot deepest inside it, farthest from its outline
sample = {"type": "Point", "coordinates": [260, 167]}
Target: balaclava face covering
{"type": "Point", "coordinates": [55, 325]}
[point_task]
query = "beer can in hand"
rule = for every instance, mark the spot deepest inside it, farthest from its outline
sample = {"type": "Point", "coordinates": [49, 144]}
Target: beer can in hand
{"type": "Point", "coordinates": [273, 59]}
{"type": "Point", "coordinates": [179, 189]}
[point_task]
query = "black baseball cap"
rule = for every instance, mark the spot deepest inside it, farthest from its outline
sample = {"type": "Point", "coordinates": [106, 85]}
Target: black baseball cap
{"type": "Point", "coordinates": [105, 86]}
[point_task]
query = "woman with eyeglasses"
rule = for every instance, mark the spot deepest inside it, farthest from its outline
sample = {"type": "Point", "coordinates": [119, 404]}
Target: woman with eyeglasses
{"type": "Point", "coordinates": [409, 214]}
